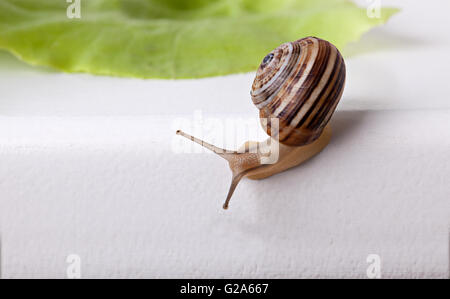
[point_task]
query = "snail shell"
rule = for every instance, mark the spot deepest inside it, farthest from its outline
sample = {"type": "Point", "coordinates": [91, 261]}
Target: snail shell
{"type": "Point", "coordinates": [300, 83]}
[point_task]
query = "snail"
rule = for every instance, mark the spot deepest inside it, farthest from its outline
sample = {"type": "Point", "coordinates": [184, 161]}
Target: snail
{"type": "Point", "coordinates": [297, 88]}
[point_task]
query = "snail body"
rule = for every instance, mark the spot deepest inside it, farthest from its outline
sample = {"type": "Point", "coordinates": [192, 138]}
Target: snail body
{"type": "Point", "coordinates": [289, 156]}
{"type": "Point", "coordinates": [297, 88]}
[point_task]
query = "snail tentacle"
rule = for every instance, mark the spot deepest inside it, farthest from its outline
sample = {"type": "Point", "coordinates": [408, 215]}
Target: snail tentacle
{"type": "Point", "coordinates": [241, 163]}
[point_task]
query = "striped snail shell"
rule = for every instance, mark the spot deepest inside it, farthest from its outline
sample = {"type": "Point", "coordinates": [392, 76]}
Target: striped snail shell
{"type": "Point", "coordinates": [300, 83]}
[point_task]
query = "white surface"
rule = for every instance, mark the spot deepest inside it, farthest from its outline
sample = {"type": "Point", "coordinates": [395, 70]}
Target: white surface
{"type": "Point", "coordinates": [87, 167]}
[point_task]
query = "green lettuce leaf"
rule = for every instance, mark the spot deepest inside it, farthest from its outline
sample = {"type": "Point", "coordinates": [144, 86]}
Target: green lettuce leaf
{"type": "Point", "coordinates": [171, 38]}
